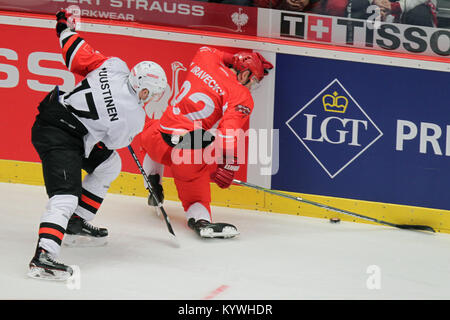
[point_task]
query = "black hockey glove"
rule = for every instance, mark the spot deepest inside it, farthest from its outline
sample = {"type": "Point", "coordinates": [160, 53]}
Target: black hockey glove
{"type": "Point", "coordinates": [62, 24]}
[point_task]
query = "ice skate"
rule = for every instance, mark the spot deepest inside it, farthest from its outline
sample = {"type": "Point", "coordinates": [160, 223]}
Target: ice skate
{"type": "Point", "coordinates": [80, 233]}
{"type": "Point", "coordinates": [206, 229]}
{"type": "Point", "coordinates": [43, 266]}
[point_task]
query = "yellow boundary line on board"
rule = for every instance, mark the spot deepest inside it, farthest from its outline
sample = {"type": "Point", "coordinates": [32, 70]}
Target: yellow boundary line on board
{"type": "Point", "coordinates": [246, 198]}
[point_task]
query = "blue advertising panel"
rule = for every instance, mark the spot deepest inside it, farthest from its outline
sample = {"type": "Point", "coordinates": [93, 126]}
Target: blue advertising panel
{"type": "Point", "coordinates": [363, 131]}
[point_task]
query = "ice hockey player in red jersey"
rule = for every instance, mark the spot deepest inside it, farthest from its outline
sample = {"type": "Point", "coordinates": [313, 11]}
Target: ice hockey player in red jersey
{"type": "Point", "coordinates": [82, 129]}
{"type": "Point", "coordinates": [215, 95]}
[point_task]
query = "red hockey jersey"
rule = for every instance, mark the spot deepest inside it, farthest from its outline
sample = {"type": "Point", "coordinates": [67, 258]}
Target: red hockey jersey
{"type": "Point", "coordinates": [210, 97]}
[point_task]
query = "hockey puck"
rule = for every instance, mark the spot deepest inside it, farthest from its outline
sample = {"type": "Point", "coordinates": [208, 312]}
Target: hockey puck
{"type": "Point", "coordinates": [335, 220]}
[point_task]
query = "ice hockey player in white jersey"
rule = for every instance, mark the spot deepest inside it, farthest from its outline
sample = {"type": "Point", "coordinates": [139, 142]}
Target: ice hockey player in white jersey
{"type": "Point", "coordinates": [82, 129]}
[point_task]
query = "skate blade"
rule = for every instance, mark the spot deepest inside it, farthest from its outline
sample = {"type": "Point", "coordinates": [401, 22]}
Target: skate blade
{"type": "Point", "coordinates": [53, 275]}
{"type": "Point", "coordinates": [227, 232]}
{"type": "Point", "coordinates": [84, 241]}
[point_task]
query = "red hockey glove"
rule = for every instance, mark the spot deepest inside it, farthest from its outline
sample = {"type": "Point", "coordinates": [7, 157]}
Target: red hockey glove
{"type": "Point", "coordinates": [224, 174]}
{"type": "Point", "coordinates": [62, 23]}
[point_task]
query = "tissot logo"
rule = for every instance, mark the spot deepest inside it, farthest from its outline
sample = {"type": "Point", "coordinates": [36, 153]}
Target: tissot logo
{"type": "Point", "coordinates": [317, 28]}
{"type": "Point", "coordinates": [292, 25]}
{"type": "Point", "coordinates": [334, 128]}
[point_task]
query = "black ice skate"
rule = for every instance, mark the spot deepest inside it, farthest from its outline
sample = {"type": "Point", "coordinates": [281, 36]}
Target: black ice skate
{"type": "Point", "coordinates": [43, 266]}
{"type": "Point", "coordinates": [206, 229]}
{"type": "Point", "coordinates": [155, 182]}
{"type": "Point", "coordinates": [80, 233]}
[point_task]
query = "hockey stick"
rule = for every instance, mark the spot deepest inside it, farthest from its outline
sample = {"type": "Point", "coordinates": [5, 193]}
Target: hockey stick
{"type": "Point", "coordinates": [152, 192]}
{"type": "Point", "coordinates": [401, 226]}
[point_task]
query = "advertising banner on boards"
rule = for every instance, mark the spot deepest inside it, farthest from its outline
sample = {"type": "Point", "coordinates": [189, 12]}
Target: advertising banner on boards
{"type": "Point", "coordinates": [362, 131]}
{"type": "Point", "coordinates": [201, 15]}
{"type": "Point", "coordinates": [354, 33]}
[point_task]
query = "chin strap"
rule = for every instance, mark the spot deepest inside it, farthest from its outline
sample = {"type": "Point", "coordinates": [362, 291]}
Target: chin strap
{"type": "Point", "coordinates": [131, 87]}
{"type": "Point", "coordinates": [132, 91]}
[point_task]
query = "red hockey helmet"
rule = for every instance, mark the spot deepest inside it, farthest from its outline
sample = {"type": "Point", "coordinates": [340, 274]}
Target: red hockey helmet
{"type": "Point", "coordinates": [253, 61]}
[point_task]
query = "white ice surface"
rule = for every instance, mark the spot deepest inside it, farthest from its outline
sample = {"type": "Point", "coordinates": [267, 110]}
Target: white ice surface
{"type": "Point", "coordinates": [276, 256]}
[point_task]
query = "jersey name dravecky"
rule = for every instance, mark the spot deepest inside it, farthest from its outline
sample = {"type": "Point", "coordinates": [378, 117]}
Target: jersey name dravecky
{"type": "Point", "coordinates": [107, 96]}
{"type": "Point", "coordinates": [207, 78]}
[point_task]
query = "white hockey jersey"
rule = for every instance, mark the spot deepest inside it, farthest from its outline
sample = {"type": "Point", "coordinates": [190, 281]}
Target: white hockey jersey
{"type": "Point", "coordinates": [103, 101]}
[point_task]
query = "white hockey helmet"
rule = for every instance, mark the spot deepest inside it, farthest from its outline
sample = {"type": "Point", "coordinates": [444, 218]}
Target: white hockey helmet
{"type": "Point", "coordinates": [148, 75]}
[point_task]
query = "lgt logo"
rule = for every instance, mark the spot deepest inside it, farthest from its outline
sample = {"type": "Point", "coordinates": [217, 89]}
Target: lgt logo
{"type": "Point", "coordinates": [334, 128]}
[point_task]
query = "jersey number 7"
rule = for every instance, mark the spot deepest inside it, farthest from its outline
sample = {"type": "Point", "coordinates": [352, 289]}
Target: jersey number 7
{"type": "Point", "coordinates": [92, 113]}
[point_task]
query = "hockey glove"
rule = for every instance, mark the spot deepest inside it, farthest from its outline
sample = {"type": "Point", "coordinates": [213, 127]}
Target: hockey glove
{"type": "Point", "coordinates": [224, 174]}
{"type": "Point", "coordinates": [62, 18]}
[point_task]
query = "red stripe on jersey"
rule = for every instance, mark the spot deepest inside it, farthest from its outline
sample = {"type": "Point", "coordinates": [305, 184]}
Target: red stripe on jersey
{"type": "Point", "coordinates": [90, 202]}
{"type": "Point", "coordinates": [52, 231]}
{"type": "Point", "coordinates": [69, 43]}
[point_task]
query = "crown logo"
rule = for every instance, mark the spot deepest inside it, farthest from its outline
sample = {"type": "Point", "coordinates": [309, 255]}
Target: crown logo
{"type": "Point", "coordinates": [335, 103]}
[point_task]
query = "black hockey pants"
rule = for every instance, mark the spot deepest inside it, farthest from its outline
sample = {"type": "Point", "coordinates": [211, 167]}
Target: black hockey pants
{"type": "Point", "coordinates": [58, 138]}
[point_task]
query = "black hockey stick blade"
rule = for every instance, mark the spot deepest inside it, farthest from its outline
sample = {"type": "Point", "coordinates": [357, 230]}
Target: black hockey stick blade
{"type": "Point", "coordinates": [174, 238]}
{"type": "Point", "coordinates": [415, 227]}
{"type": "Point", "coordinates": [166, 219]}
{"type": "Point", "coordinates": [162, 212]}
